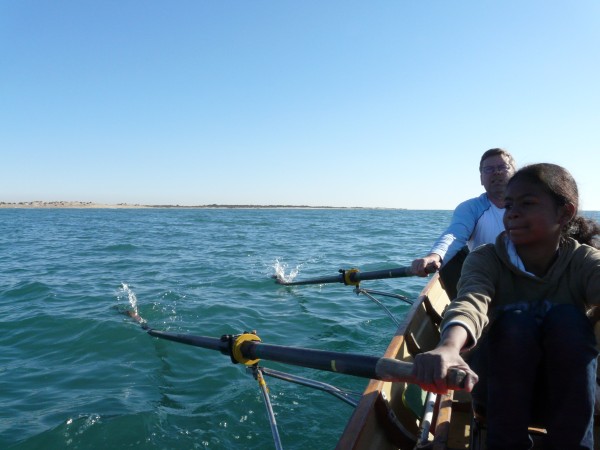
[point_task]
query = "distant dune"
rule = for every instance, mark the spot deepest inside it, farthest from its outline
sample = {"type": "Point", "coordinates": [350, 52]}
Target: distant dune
{"type": "Point", "coordinates": [40, 204]}
{"type": "Point", "coordinates": [91, 205]}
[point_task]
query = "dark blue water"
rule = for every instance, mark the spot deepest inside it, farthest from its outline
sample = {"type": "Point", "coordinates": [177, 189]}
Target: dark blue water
{"type": "Point", "coordinates": [77, 373]}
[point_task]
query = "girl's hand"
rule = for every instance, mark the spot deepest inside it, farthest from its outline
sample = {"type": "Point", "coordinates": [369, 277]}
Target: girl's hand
{"type": "Point", "coordinates": [430, 369]}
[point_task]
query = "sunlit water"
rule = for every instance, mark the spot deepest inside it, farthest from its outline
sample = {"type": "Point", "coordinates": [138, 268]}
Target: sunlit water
{"type": "Point", "coordinates": [75, 372]}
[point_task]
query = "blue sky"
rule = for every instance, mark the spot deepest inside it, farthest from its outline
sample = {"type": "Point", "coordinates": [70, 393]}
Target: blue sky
{"type": "Point", "coordinates": [335, 103]}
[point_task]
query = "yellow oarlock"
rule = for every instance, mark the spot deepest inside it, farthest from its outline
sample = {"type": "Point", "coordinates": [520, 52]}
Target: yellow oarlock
{"type": "Point", "coordinates": [236, 349]}
{"type": "Point", "coordinates": [347, 280]}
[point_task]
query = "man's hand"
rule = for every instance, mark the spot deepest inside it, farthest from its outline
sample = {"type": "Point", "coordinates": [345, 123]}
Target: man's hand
{"type": "Point", "coordinates": [424, 266]}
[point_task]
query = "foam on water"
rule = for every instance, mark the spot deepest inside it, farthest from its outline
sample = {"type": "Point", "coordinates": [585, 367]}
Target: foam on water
{"type": "Point", "coordinates": [281, 267]}
{"type": "Point", "coordinates": [131, 297]}
{"type": "Point", "coordinates": [133, 303]}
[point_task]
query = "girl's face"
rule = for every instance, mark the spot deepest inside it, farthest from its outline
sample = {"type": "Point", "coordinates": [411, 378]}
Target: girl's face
{"type": "Point", "coordinates": [531, 215]}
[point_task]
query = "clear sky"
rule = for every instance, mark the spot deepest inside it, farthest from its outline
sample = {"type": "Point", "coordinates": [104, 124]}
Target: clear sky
{"type": "Point", "coordinates": [319, 103]}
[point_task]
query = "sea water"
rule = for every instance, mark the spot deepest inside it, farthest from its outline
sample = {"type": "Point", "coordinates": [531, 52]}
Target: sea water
{"type": "Point", "coordinates": [76, 372]}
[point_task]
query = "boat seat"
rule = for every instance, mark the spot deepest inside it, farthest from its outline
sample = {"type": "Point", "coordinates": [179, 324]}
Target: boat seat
{"type": "Point", "coordinates": [423, 339]}
{"type": "Point", "coordinates": [424, 332]}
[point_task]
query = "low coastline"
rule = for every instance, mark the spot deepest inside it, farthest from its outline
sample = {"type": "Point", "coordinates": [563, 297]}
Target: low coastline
{"type": "Point", "coordinates": [91, 205]}
{"type": "Point", "coordinates": [65, 204]}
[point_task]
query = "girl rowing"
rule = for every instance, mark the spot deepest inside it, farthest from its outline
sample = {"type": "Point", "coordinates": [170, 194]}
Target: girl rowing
{"type": "Point", "coordinates": [522, 306]}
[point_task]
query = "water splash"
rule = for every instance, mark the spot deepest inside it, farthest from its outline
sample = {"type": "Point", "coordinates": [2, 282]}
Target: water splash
{"type": "Point", "coordinates": [130, 296]}
{"type": "Point", "coordinates": [133, 302]}
{"type": "Point", "coordinates": [281, 267]}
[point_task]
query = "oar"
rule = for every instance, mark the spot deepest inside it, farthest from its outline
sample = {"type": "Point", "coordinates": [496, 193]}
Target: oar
{"type": "Point", "coordinates": [247, 349]}
{"type": "Point", "coordinates": [353, 276]}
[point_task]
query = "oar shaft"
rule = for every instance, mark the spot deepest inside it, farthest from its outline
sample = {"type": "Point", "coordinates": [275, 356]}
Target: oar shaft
{"type": "Point", "coordinates": [322, 280]}
{"type": "Point", "coordinates": [364, 366]}
{"type": "Point", "coordinates": [354, 276]}
{"type": "Point", "coordinates": [372, 367]}
{"type": "Point", "coordinates": [197, 341]}
{"type": "Point", "coordinates": [360, 365]}
{"type": "Point", "coordinates": [398, 272]}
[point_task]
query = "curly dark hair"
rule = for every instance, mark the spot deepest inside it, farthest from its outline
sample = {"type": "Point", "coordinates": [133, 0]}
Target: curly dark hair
{"type": "Point", "coordinates": [560, 184]}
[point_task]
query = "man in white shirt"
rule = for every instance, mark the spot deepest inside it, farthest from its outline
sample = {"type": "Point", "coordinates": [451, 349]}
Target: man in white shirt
{"type": "Point", "coordinates": [475, 221]}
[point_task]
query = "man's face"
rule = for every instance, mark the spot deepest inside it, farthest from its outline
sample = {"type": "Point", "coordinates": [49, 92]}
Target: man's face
{"type": "Point", "coordinates": [495, 173]}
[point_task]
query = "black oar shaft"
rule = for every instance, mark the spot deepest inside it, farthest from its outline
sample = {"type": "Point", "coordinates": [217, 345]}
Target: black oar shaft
{"type": "Point", "coordinates": [197, 341]}
{"type": "Point", "coordinates": [365, 366]}
{"type": "Point", "coordinates": [354, 276]}
{"type": "Point", "coordinates": [382, 274]}
{"type": "Point", "coordinates": [347, 363]}
{"type": "Point", "coordinates": [321, 280]}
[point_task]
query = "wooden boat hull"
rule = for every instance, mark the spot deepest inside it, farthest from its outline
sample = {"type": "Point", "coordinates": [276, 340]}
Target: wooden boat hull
{"type": "Point", "coordinates": [371, 425]}
{"type": "Point", "coordinates": [383, 420]}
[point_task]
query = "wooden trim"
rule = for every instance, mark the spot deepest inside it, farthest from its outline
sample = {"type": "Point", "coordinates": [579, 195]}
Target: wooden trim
{"type": "Point", "coordinates": [442, 424]}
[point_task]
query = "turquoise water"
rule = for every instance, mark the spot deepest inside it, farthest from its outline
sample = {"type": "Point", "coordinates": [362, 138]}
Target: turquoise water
{"type": "Point", "coordinates": [77, 373]}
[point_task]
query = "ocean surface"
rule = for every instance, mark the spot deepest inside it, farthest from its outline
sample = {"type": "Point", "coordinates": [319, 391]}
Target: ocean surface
{"type": "Point", "coordinates": [78, 373]}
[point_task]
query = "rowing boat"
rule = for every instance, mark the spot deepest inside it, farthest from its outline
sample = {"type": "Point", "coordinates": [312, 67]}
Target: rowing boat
{"type": "Point", "coordinates": [388, 417]}
{"type": "Point", "coordinates": [393, 412]}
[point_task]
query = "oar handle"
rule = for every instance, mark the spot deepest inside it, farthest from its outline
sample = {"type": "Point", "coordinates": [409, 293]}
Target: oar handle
{"type": "Point", "coordinates": [389, 369]}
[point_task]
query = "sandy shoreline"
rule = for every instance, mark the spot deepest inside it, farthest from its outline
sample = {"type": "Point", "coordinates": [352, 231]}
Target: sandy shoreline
{"type": "Point", "coordinates": [91, 205]}
{"type": "Point", "coordinates": [62, 204]}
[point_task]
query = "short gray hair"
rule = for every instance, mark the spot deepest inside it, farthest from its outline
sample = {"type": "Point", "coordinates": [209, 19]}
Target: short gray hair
{"type": "Point", "coordinates": [498, 152]}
